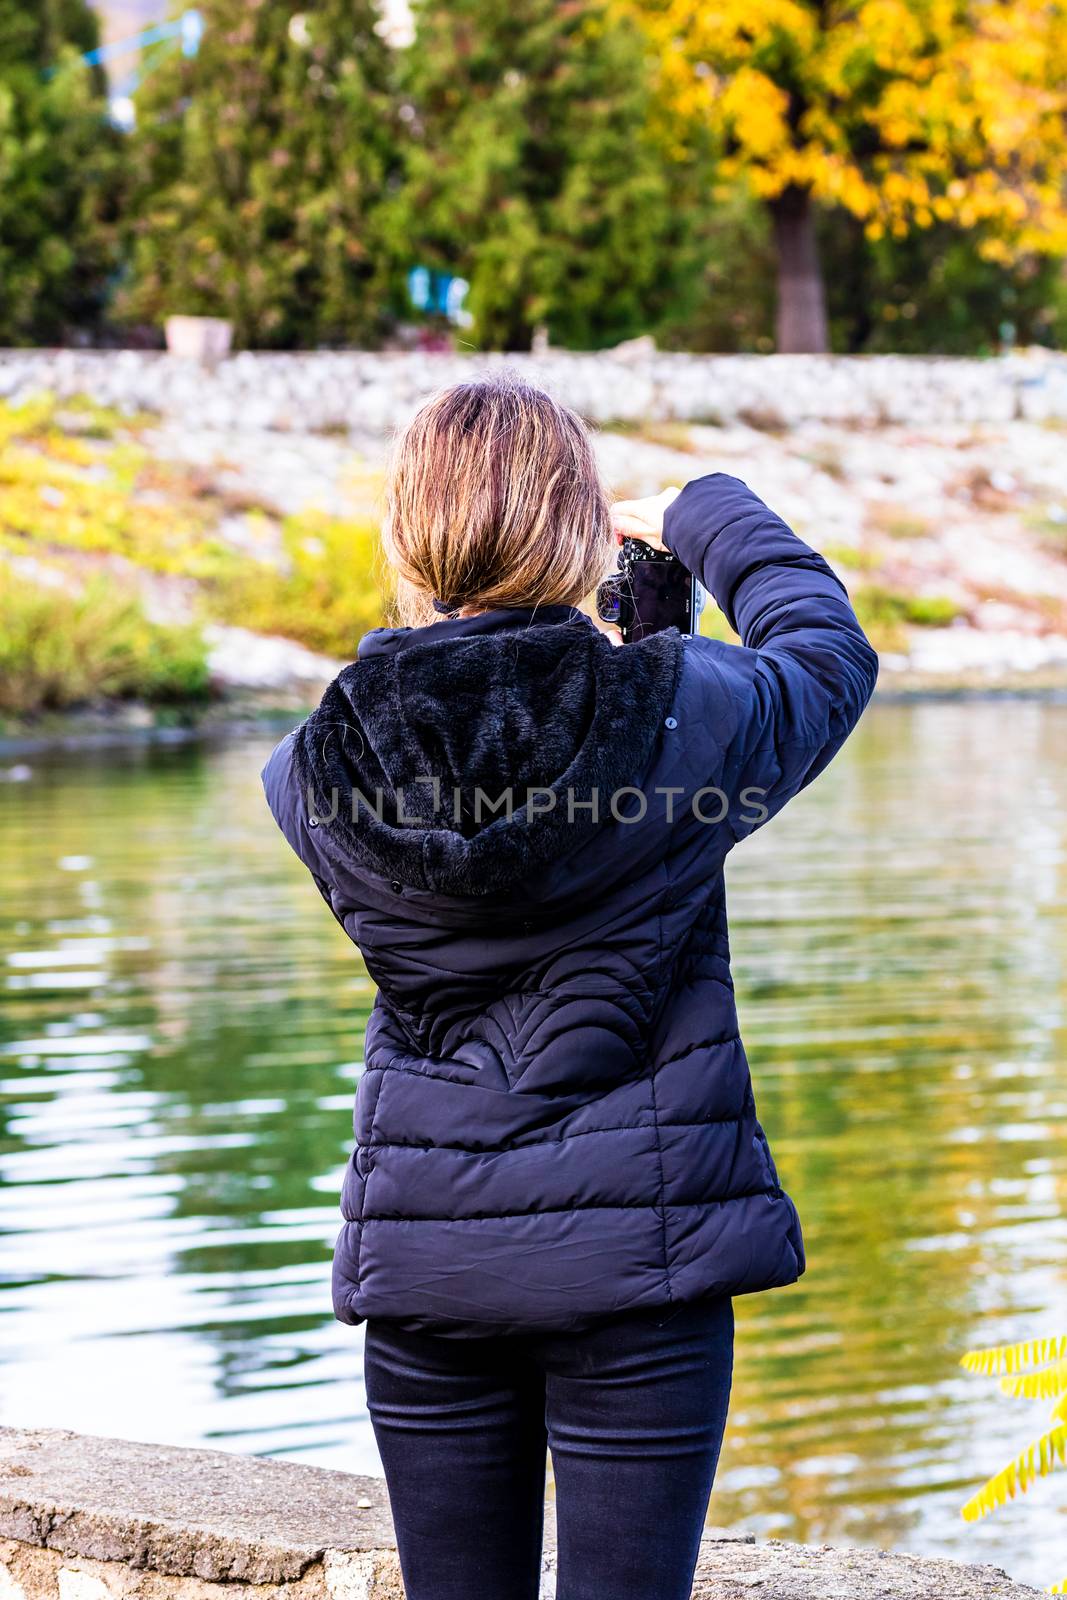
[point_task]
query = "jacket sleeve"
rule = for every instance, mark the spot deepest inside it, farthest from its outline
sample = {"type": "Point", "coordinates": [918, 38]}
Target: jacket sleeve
{"type": "Point", "coordinates": [804, 671]}
{"type": "Point", "coordinates": [289, 809]}
{"type": "Point", "coordinates": [335, 878]}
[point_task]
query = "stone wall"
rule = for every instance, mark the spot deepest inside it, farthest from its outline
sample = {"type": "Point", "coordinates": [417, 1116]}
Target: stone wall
{"type": "Point", "coordinates": [102, 1519]}
{"type": "Point", "coordinates": [360, 393]}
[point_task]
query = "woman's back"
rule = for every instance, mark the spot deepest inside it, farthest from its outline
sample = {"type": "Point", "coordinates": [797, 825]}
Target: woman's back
{"type": "Point", "coordinates": [524, 828]}
{"type": "Point", "coordinates": [559, 1180]}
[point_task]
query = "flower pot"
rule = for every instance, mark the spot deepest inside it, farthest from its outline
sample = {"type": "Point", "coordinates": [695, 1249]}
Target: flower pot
{"type": "Point", "coordinates": [205, 340]}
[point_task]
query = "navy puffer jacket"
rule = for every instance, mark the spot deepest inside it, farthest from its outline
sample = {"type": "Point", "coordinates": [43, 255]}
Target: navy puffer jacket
{"type": "Point", "coordinates": [556, 1121]}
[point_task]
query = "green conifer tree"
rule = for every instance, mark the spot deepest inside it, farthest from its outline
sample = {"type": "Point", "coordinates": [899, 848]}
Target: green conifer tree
{"type": "Point", "coordinates": [529, 171]}
{"type": "Point", "coordinates": [258, 167]}
{"type": "Point", "coordinates": [58, 173]}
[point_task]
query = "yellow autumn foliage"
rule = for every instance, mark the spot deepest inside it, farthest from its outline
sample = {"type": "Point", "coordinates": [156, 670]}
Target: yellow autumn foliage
{"type": "Point", "coordinates": [903, 111]}
{"type": "Point", "coordinates": [1034, 1369]}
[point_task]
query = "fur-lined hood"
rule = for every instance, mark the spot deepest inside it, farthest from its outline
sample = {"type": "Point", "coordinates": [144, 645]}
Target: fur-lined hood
{"type": "Point", "coordinates": [455, 758]}
{"type": "Point", "coordinates": [555, 1121]}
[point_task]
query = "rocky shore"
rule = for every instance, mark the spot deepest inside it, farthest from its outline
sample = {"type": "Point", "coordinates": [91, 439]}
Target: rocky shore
{"type": "Point", "coordinates": [355, 392]}
{"type": "Point", "coordinates": [936, 487]}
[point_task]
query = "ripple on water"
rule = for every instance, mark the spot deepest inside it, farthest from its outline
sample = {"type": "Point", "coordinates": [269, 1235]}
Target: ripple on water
{"type": "Point", "coordinates": [180, 1036]}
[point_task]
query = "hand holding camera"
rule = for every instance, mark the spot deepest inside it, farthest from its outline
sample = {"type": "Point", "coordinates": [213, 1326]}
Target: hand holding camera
{"type": "Point", "coordinates": [651, 589]}
{"type": "Point", "coordinates": [643, 519]}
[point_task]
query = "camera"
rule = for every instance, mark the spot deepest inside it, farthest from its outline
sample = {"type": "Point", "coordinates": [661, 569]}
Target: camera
{"type": "Point", "coordinates": [651, 591]}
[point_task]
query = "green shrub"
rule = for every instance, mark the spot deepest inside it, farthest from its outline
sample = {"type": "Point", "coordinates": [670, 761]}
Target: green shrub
{"type": "Point", "coordinates": [896, 523]}
{"type": "Point", "coordinates": [930, 610]}
{"type": "Point", "coordinates": [335, 587]}
{"type": "Point", "coordinates": [74, 477]}
{"type": "Point", "coordinates": [886, 612]}
{"type": "Point", "coordinates": [257, 171]}
{"type": "Point", "coordinates": [531, 170]}
{"type": "Point", "coordinates": [60, 173]}
{"type": "Point", "coordinates": [851, 556]}
{"type": "Point", "coordinates": [59, 649]}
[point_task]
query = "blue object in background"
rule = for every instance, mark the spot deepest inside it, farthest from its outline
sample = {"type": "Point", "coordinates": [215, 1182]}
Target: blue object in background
{"type": "Point", "coordinates": [438, 292]}
{"type": "Point", "coordinates": [441, 283]}
{"type": "Point", "coordinates": [419, 288]}
{"type": "Point", "coordinates": [189, 28]}
{"type": "Point", "coordinates": [191, 31]}
{"type": "Point", "coordinates": [186, 31]}
{"type": "Point", "coordinates": [457, 293]}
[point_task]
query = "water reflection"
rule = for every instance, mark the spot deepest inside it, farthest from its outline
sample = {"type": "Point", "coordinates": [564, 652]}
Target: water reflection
{"type": "Point", "coordinates": [179, 1037]}
{"type": "Point", "coordinates": [178, 1046]}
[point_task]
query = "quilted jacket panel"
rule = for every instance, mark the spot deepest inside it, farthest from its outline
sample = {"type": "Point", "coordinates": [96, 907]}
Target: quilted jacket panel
{"type": "Point", "coordinates": [556, 1118]}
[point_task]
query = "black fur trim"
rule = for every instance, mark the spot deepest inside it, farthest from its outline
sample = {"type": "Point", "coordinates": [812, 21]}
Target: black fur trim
{"type": "Point", "coordinates": [554, 706]}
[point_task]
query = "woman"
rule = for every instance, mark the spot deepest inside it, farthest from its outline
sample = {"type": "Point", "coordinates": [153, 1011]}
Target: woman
{"type": "Point", "coordinates": [559, 1181]}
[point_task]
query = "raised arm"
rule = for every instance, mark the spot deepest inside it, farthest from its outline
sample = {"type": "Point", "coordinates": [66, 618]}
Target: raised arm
{"type": "Point", "coordinates": [804, 670]}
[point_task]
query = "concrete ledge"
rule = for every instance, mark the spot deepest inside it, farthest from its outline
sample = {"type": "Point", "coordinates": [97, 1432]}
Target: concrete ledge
{"type": "Point", "coordinates": [83, 1518]}
{"type": "Point", "coordinates": [183, 1513]}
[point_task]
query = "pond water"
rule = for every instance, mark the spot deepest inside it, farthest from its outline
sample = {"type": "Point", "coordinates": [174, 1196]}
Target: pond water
{"type": "Point", "coordinates": [179, 1044]}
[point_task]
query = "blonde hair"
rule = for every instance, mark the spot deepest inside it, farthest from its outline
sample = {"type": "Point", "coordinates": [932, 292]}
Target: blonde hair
{"type": "Point", "coordinates": [493, 498]}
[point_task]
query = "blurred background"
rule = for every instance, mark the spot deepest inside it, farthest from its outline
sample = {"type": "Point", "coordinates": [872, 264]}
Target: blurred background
{"type": "Point", "coordinates": [871, 177]}
{"type": "Point", "coordinates": [818, 246]}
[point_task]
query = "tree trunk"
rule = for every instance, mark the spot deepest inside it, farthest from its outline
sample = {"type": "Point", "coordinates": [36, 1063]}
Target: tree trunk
{"type": "Point", "coordinates": [802, 327]}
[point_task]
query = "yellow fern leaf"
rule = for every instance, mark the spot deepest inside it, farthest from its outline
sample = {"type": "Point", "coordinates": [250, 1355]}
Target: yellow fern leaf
{"type": "Point", "coordinates": [1014, 1357]}
{"type": "Point", "coordinates": [1044, 1384]}
{"type": "Point", "coordinates": [1036, 1461]}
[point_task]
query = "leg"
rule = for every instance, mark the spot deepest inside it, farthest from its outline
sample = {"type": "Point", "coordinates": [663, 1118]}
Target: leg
{"type": "Point", "coordinates": [460, 1425]}
{"type": "Point", "coordinates": [636, 1410]}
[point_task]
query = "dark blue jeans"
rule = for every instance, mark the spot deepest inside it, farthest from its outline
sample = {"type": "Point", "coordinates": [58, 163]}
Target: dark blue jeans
{"type": "Point", "coordinates": [633, 1411]}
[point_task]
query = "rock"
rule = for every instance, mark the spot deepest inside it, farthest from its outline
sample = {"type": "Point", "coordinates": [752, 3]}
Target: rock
{"type": "Point", "coordinates": [85, 1518]}
{"type": "Point", "coordinates": [183, 1513]}
{"type": "Point", "coordinates": [344, 390]}
{"type": "Point", "coordinates": [240, 659]}
{"type": "Point", "coordinates": [639, 349]}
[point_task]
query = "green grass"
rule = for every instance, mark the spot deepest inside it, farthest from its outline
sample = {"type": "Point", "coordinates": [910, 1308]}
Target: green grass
{"type": "Point", "coordinates": [79, 488]}
{"type": "Point", "coordinates": [99, 492]}
{"type": "Point", "coordinates": [81, 494]}
{"type": "Point", "coordinates": [713, 624]}
{"type": "Point", "coordinates": [667, 435]}
{"type": "Point", "coordinates": [59, 650]}
{"type": "Point", "coordinates": [847, 555]}
{"type": "Point", "coordinates": [899, 524]}
{"type": "Point", "coordinates": [49, 420]}
{"type": "Point", "coordinates": [334, 589]}
{"type": "Point", "coordinates": [1049, 524]}
{"type": "Point", "coordinates": [930, 611]}
{"type": "Point", "coordinates": [885, 613]}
